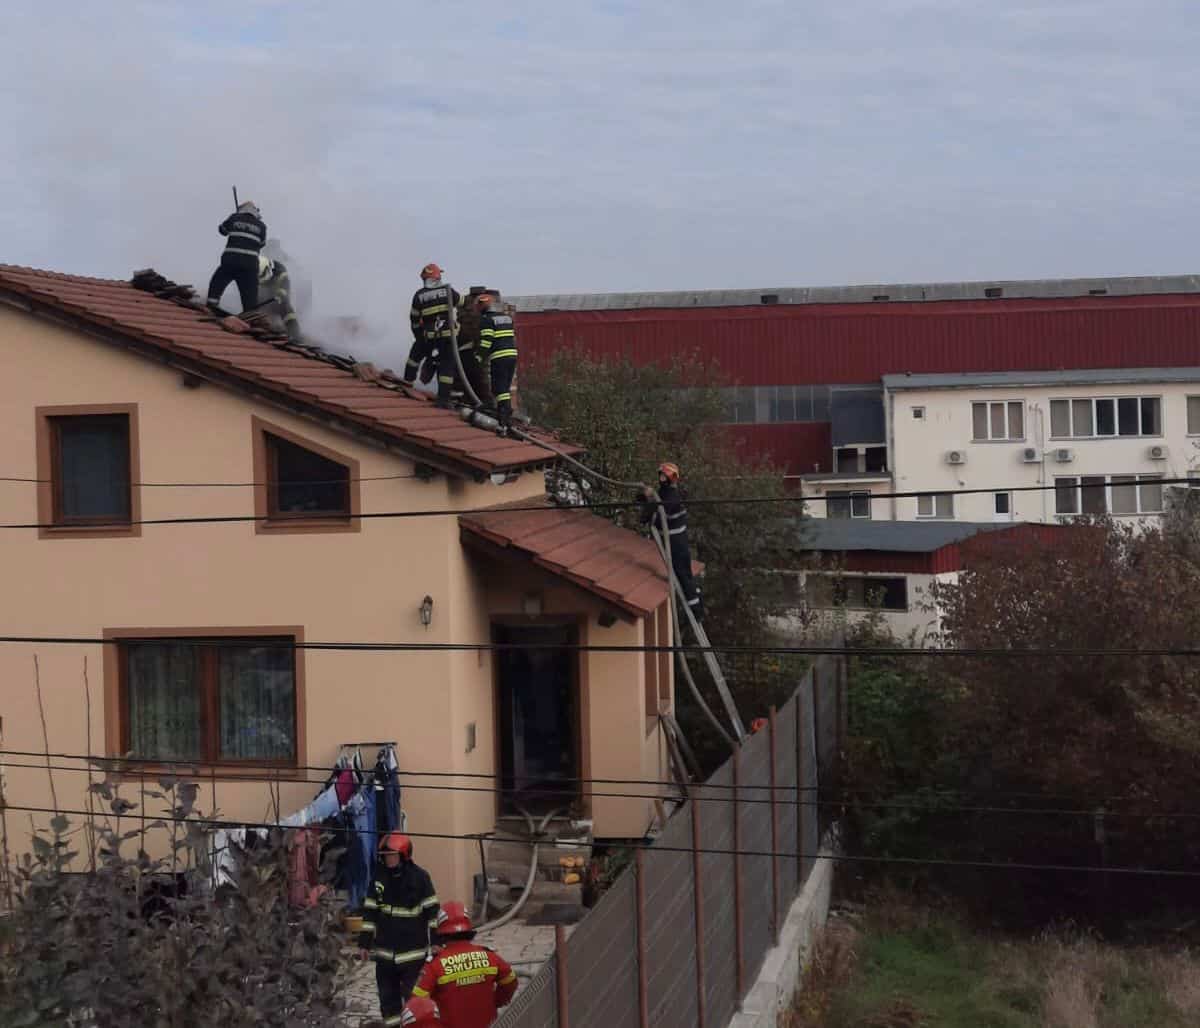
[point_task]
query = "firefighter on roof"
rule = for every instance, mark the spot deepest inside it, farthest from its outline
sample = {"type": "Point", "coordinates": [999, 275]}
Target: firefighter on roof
{"type": "Point", "coordinates": [430, 320]}
{"type": "Point", "coordinates": [244, 232]}
{"type": "Point", "coordinates": [398, 915]}
{"type": "Point", "coordinates": [470, 983]}
{"type": "Point", "coordinates": [498, 352]}
{"type": "Point", "coordinates": [275, 284]}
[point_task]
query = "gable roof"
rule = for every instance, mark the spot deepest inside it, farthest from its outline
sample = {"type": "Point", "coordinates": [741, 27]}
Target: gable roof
{"type": "Point", "coordinates": [349, 396]}
{"type": "Point", "coordinates": [610, 562]}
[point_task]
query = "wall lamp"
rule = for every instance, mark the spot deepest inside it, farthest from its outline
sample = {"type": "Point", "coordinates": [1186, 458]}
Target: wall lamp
{"type": "Point", "coordinates": [426, 610]}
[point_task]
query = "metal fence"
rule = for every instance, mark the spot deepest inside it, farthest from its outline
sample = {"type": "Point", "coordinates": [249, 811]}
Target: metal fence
{"type": "Point", "coordinates": [680, 937]}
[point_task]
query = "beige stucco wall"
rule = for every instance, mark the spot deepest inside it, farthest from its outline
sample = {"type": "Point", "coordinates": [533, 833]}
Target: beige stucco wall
{"type": "Point", "coordinates": [355, 586]}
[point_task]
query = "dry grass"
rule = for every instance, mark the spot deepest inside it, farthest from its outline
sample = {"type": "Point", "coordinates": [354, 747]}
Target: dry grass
{"type": "Point", "coordinates": [1179, 976]}
{"type": "Point", "coordinates": [828, 967]}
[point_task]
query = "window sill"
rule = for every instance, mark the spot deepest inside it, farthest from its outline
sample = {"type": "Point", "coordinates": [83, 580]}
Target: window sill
{"type": "Point", "coordinates": [109, 530]}
{"type": "Point", "coordinates": [127, 771]}
{"type": "Point", "coordinates": [934, 517]}
{"type": "Point", "coordinates": [307, 525]}
{"type": "Point", "coordinates": [1102, 438]}
{"type": "Point", "coordinates": [998, 442]}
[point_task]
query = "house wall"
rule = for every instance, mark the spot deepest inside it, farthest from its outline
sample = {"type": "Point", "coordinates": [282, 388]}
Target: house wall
{"type": "Point", "coordinates": [363, 585]}
{"type": "Point", "coordinates": [919, 447]}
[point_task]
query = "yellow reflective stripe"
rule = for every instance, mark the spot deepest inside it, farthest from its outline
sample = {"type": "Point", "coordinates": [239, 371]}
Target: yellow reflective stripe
{"type": "Point", "coordinates": [393, 1020]}
{"type": "Point", "coordinates": [409, 956]}
{"type": "Point", "coordinates": [504, 353]}
{"type": "Point", "coordinates": [418, 991]}
{"type": "Point", "coordinates": [370, 904]}
{"type": "Point", "coordinates": [470, 972]}
{"type": "Point", "coordinates": [485, 332]}
{"type": "Point", "coordinates": [437, 308]}
{"type": "Point", "coordinates": [503, 333]}
{"type": "Point", "coordinates": [446, 380]}
{"type": "Point", "coordinates": [432, 901]}
{"type": "Point", "coordinates": [404, 911]}
{"type": "Point", "coordinates": [503, 396]}
{"type": "Point", "coordinates": [384, 954]}
{"type": "Point", "coordinates": [509, 979]}
{"type": "Point", "coordinates": [369, 926]}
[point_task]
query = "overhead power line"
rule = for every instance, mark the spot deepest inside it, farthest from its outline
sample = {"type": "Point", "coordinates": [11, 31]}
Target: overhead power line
{"type": "Point", "coordinates": [219, 519]}
{"type": "Point", "coordinates": [1016, 653]}
{"type": "Point", "coordinates": [853, 858]}
{"type": "Point", "coordinates": [700, 790]}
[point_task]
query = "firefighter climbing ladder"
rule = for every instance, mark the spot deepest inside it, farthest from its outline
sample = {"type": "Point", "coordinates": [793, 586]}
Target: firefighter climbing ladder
{"type": "Point", "coordinates": [682, 610]}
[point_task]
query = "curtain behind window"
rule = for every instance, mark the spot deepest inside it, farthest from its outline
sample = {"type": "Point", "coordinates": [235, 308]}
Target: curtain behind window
{"type": "Point", "coordinates": [257, 695]}
{"type": "Point", "coordinates": [164, 701]}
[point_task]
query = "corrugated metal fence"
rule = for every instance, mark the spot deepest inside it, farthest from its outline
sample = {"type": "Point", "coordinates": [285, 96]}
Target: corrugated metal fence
{"type": "Point", "coordinates": [679, 938]}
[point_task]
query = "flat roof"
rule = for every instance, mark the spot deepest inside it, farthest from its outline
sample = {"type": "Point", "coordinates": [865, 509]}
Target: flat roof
{"type": "Point", "coordinates": [838, 535]}
{"type": "Point", "coordinates": [1008, 379]}
{"type": "Point", "coordinates": [1007, 289]}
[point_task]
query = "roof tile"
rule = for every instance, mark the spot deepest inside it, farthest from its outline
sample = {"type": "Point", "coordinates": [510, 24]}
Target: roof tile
{"type": "Point", "coordinates": [174, 326]}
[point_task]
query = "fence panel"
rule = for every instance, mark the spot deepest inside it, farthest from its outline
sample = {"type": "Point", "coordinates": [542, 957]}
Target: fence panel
{"type": "Point", "coordinates": [786, 809]}
{"type": "Point", "coordinates": [755, 817]}
{"type": "Point", "coordinates": [536, 1004]}
{"type": "Point", "coordinates": [602, 971]}
{"type": "Point", "coordinates": [717, 813]}
{"type": "Point", "coordinates": [671, 928]}
{"type": "Point", "coordinates": [827, 689]}
{"type": "Point", "coordinates": [810, 785]}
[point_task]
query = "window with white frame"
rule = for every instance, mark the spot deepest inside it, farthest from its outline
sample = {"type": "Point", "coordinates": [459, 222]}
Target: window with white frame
{"type": "Point", "coordinates": [998, 420]}
{"type": "Point", "coordinates": [848, 505]}
{"type": "Point", "coordinates": [1106, 417]}
{"type": "Point", "coordinates": [1193, 415]}
{"type": "Point", "coordinates": [1002, 504]}
{"type": "Point", "coordinates": [918, 413]}
{"type": "Point", "coordinates": [935, 505]}
{"type": "Point", "coordinates": [1112, 494]}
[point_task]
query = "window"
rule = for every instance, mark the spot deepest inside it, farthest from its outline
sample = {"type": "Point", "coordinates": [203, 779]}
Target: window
{"type": "Point", "coordinates": [1193, 415]}
{"type": "Point", "coordinates": [856, 592]}
{"type": "Point", "coordinates": [875, 458]}
{"type": "Point", "coordinates": [935, 505]}
{"type": "Point", "coordinates": [87, 462]}
{"type": "Point", "coordinates": [1108, 416]}
{"type": "Point", "coordinates": [303, 483]}
{"type": "Point", "coordinates": [1118, 494]}
{"type": "Point", "coordinates": [750, 405]}
{"type": "Point", "coordinates": [918, 413]}
{"type": "Point", "coordinates": [845, 460]}
{"type": "Point", "coordinates": [303, 487]}
{"type": "Point", "coordinates": [848, 505]}
{"type": "Point", "coordinates": [998, 420]}
{"type": "Point", "coordinates": [1002, 505]}
{"type": "Point", "coordinates": [210, 701]}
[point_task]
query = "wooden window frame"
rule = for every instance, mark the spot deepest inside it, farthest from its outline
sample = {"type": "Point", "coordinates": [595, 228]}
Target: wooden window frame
{"type": "Point", "coordinates": [116, 696]}
{"type": "Point", "coordinates": [49, 478]}
{"type": "Point", "coordinates": [268, 520]}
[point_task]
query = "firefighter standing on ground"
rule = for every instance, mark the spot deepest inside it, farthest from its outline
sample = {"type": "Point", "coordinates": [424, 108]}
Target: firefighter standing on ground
{"type": "Point", "coordinates": [498, 353]}
{"type": "Point", "coordinates": [245, 234]}
{"type": "Point", "coordinates": [400, 911]}
{"type": "Point", "coordinates": [677, 533]}
{"type": "Point", "coordinates": [430, 319]}
{"type": "Point", "coordinates": [468, 982]}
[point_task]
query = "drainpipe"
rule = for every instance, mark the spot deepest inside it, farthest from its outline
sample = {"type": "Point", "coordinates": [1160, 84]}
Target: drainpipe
{"type": "Point", "coordinates": [1042, 463]}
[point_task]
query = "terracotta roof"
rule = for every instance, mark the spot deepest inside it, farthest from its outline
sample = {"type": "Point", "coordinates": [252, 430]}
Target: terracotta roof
{"type": "Point", "coordinates": [304, 377]}
{"type": "Point", "coordinates": [587, 550]}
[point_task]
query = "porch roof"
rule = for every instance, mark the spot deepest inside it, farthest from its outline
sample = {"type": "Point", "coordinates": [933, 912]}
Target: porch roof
{"type": "Point", "coordinates": [613, 563]}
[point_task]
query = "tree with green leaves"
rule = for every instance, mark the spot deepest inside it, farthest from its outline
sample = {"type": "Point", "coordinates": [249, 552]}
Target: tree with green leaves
{"type": "Point", "coordinates": [630, 418]}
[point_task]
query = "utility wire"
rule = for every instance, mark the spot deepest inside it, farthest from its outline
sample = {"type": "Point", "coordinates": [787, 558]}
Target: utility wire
{"type": "Point", "coordinates": [699, 790]}
{"type": "Point", "coordinates": [1150, 872]}
{"type": "Point", "coordinates": [1018, 653]}
{"type": "Point", "coordinates": [590, 505]}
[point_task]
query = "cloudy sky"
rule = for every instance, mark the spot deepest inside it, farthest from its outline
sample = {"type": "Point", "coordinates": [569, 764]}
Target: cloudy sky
{"type": "Point", "coordinates": [546, 146]}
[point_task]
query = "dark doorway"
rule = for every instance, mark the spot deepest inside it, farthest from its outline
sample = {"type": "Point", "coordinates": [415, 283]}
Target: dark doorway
{"type": "Point", "coordinates": [538, 705]}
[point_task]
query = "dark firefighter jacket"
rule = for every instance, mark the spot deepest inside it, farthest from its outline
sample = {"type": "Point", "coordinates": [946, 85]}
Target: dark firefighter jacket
{"type": "Point", "coordinates": [675, 510]}
{"type": "Point", "coordinates": [244, 232]}
{"type": "Point", "coordinates": [430, 305]}
{"type": "Point", "coordinates": [400, 908]}
{"type": "Point", "coordinates": [496, 336]}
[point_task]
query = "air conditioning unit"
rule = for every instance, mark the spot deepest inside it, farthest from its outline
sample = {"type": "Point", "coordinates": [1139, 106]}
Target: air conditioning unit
{"type": "Point", "coordinates": [1064, 455]}
{"type": "Point", "coordinates": [1029, 455]}
{"type": "Point", "coordinates": [1157, 453]}
{"type": "Point", "coordinates": [956, 457]}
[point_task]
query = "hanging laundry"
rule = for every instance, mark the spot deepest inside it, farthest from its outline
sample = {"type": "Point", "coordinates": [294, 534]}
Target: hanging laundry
{"type": "Point", "coordinates": [304, 868]}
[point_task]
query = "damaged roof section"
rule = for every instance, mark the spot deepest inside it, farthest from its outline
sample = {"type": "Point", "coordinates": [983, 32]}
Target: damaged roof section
{"type": "Point", "coordinates": [163, 320]}
{"type": "Point", "coordinates": [612, 563]}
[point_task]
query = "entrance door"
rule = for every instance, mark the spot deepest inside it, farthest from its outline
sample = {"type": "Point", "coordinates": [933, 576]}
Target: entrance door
{"type": "Point", "coordinates": [539, 718]}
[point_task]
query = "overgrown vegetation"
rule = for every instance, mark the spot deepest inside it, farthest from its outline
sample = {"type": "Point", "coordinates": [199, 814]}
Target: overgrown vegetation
{"type": "Point", "coordinates": [138, 940]}
{"type": "Point", "coordinates": [1060, 757]}
{"type": "Point", "coordinates": [629, 419]}
{"type": "Point", "coordinates": [900, 966]}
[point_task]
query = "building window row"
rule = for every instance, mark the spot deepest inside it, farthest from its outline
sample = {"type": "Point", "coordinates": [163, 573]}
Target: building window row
{"type": "Point", "coordinates": [1108, 494]}
{"type": "Point", "coordinates": [755, 405]}
{"type": "Point", "coordinates": [1108, 416]}
{"type": "Point", "coordinates": [938, 506]}
{"type": "Point", "coordinates": [856, 592]}
{"type": "Point", "coordinates": [846, 504]}
{"type": "Point", "coordinates": [998, 420]}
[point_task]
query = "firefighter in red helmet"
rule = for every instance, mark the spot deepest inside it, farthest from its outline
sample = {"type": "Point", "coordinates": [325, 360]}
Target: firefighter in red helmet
{"type": "Point", "coordinates": [430, 320]}
{"type": "Point", "coordinates": [470, 983]}
{"type": "Point", "coordinates": [400, 911]}
{"type": "Point", "coordinates": [677, 532]}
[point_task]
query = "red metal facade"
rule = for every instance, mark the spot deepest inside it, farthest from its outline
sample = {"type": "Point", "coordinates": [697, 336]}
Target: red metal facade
{"type": "Point", "coordinates": [830, 344]}
{"type": "Point", "coordinates": [800, 446]}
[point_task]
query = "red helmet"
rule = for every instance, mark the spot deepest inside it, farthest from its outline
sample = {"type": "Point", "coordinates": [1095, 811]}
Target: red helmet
{"type": "Point", "coordinates": [397, 842]}
{"type": "Point", "coordinates": [420, 1011]}
{"type": "Point", "coordinates": [453, 919]}
{"type": "Point", "coordinates": [431, 270]}
{"type": "Point", "coordinates": [669, 471]}
{"type": "Point", "coordinates": [484, 298]}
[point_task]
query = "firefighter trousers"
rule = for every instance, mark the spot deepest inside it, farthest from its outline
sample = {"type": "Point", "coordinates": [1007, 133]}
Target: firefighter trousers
{"type": "Point", "coordinates": [502, 370]}
{"type": "Point", "coordinates": [241, 268]}
{"type": "Point", "coordinates": [395, 983]}
{"type": "Point", "coordinates": [422, 350]}
{"type": "Point", "coordinates": [681, 564]}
